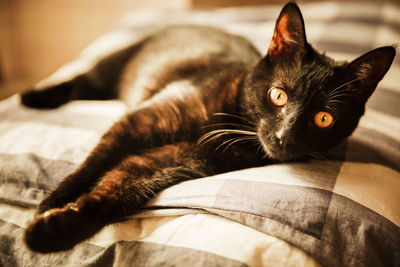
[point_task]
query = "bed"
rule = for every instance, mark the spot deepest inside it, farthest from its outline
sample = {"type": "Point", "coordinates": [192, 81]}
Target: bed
{"type": "Point", "coordinates": [342, 209]}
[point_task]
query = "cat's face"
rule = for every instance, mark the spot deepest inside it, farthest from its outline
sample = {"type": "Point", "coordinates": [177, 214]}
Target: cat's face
{"type": "Point", "coordinates": [303, 102]}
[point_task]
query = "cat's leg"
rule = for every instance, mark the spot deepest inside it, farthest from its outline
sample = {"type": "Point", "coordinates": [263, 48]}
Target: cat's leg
{"type": "Point", "coordinates": [120, 193]}
{"type": "Point", "coordinates": [97, 82]}
{"type": "Point", "coordinates": [157, 122]}
{"type": "Point", "coordinates": [111, 149]}
{"type": "Point", "coordinates": [53, 96]}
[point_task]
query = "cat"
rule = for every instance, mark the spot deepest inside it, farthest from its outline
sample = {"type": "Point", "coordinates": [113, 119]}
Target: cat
{"type": "Point", "coordinates": [200, 102]}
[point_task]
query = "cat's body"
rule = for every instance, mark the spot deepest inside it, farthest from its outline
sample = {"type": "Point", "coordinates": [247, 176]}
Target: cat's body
{"type": "Point", "coordinates": [200, 102]}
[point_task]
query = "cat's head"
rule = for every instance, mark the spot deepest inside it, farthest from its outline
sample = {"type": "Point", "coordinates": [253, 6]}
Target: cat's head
{"type": "Point", "coordinates": [302, 101]}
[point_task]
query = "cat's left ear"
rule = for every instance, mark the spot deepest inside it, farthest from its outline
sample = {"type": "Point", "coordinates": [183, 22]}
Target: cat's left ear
{"type": "Point", "coordinates": [365, 72]}
{"type": "Point", "coordinates": [289, 36]}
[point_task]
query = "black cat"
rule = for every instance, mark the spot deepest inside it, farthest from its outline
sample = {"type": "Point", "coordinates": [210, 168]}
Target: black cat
{"type": "Point", "coordinates": [201, 102]}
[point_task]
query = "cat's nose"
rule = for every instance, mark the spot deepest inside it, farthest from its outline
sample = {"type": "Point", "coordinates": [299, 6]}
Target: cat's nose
{"type": "Point", "coordinates": [284, 139]}
{"type": "Point", "coordinates": [278, 137]}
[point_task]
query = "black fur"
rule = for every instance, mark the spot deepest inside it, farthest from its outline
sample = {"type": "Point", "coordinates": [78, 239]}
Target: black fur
{"type": "Point", "coordinates": [199, 105]}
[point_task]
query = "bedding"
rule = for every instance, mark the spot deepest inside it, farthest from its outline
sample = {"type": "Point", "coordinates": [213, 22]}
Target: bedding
{"type": "Point", "coordinates": [342, 209]}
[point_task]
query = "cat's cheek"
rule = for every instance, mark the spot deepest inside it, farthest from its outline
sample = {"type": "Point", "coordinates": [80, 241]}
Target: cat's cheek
{"type": "Point", "coordinates": [262, 130]}
{"type": "Point", "coordinates": [270, 147]}
{"type": "Point", "coordinates": [262, 133]}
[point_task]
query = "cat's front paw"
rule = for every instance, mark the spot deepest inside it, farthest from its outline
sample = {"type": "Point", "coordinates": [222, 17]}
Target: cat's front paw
{"type": "Point", "coordinates": [48, 204]}
{"type": "Point", "coordinates": [58, 229]}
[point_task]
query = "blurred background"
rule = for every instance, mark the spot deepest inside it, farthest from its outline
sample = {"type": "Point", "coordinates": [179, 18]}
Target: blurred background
{"type": "Point", "coordinates": [37, 37]}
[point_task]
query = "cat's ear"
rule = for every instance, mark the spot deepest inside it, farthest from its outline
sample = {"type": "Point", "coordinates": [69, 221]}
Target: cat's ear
{"type": "Point", "coordinates": [364, 73]}
{"type": "Point", "coordinates": [289, 35]}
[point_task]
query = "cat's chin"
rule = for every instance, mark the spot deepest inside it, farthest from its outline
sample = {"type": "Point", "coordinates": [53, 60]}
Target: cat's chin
{"type": "Point", "coordinates": [278, 154]}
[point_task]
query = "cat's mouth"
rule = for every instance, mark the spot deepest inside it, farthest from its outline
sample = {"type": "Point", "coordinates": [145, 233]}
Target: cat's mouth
{"type": "Point", "coordinates": [277, 152]}
{"type": "Point", "coordinates": [272, 148]}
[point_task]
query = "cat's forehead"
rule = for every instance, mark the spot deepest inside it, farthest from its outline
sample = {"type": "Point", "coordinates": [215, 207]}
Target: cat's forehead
{"type": "Point", "coordinates": [310, 76]}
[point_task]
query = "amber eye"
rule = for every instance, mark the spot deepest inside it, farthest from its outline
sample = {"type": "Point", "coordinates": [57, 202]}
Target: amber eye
{"type": "Point", "coordinates": [278, 96]}
{"type": "Point", "coordinates": [323, 119]}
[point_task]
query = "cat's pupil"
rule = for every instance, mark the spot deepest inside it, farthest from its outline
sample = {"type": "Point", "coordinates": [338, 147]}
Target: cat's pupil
{"type": "Point", "coordinates": [279, 96]}
{"type": "Point", "coordinates": [323, 118]}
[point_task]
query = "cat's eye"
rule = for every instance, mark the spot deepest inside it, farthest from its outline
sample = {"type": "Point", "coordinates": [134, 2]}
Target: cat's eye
{"type": "Point", "coordinates": [323, 119]}
{"type": "Point", "coordinates": [278, 96]}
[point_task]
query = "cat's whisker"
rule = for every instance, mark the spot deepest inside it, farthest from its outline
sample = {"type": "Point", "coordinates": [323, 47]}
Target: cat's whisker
{"type": "Point", "coordinates": [265, 155]}
{"type": "Point", "coordinates": [233, 116]}
{"type": "Point", "coordinates": [235, 140]}
{"type": "Point", "coordinates": [337, 92]}
{"type": "Point", "coordinates": [337, 101]}
{"type": "Point", "coordinates": [332, 108]}
{"type": "Point", "coordinates": [312, 155]}
{"type": "Point", "coordinates": [333, 98]}
{"type": "Point", "coordinates": [213, 138]}
{"type": "Point", "coordinates": [347, 83]}
{"type": "Point", "coordinates": [208, 138]}
{"type": "Point", "coordinates": [221, 132]}
{"type": "Point", "coordinates": [244, 139]}
{"type": "Point", "coordinates": [343, 85]}
{"type": "Point", "coordinates": [317, 155]}
{"type": "Point", "coordinates": [260, 148]}
{"type": "Point", "coordinates": [230, 131]}
{"type": "Point", "coordinates": [229, 124]}
{"type": "Point", "coordinates": [340, 95]}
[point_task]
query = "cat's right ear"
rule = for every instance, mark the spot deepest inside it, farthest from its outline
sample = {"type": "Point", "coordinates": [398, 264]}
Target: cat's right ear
{"type": "Point", "coordinates": [289, 37]}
